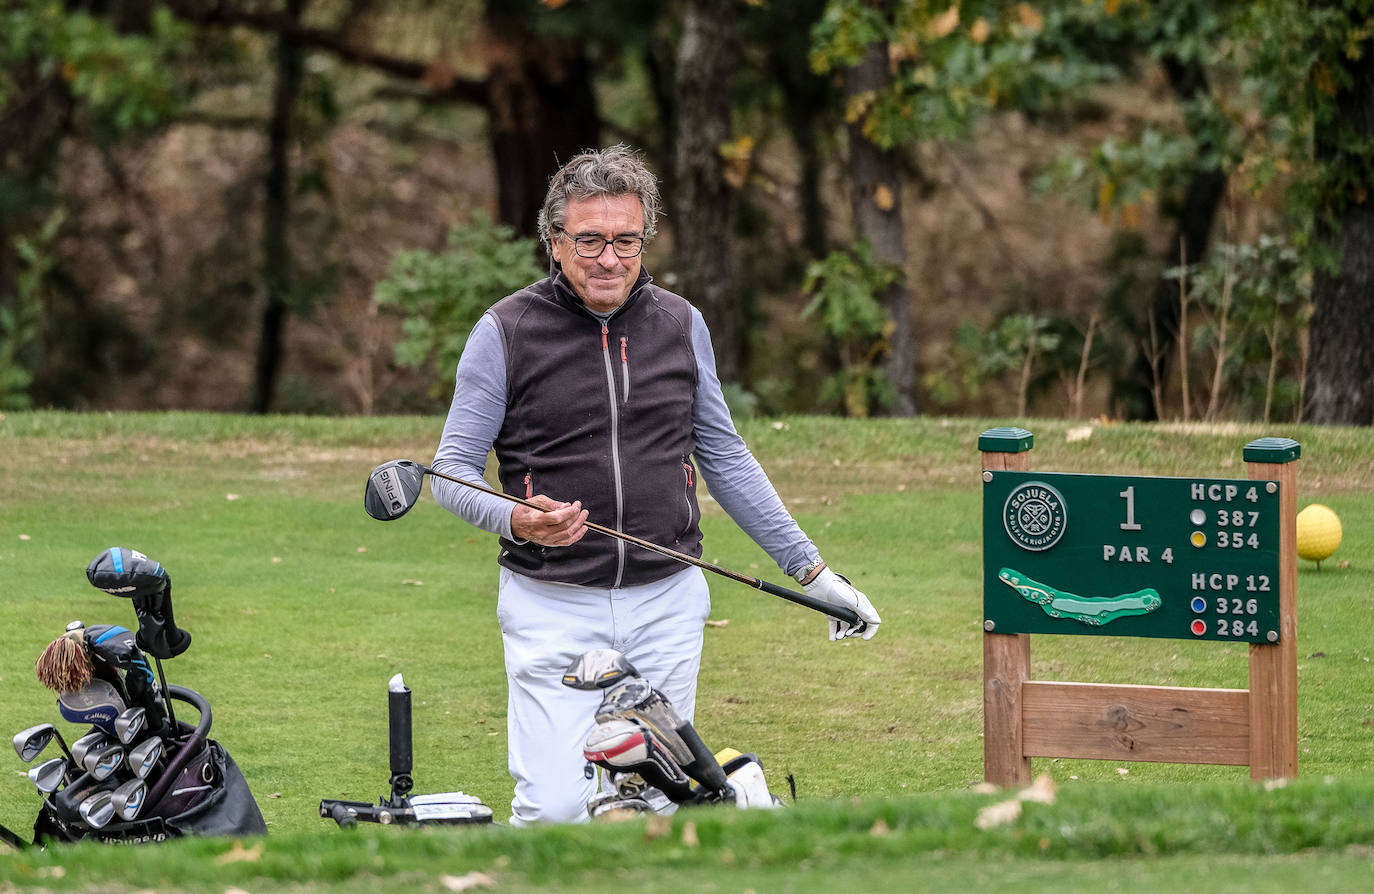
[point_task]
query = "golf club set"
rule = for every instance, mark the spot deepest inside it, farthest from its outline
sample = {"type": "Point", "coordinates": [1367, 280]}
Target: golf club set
{"type": "Point", "coordinates": [652, 756]}
{"type": "Point", "coordinates": [139, 774]}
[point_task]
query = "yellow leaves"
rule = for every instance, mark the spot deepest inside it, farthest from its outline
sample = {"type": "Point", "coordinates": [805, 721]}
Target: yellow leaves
{"type": "Point", "coordinates": [883, 197]}
{"type": "Point", "coordinates": [1323, 80]}
{"type": "Point", "coordinates": [739, 159]}
{"type": "Point", "coordinates": [859, 105]}
{"type": "Point", "coordinates": [980, 31]}
{"type": "Point", "coordinates": [943, 24]}
{"type": "Point", "coordinates": [1029, 18]}
{"type": "Point", "coordinates": [237, 853]}
{"type": "Point", "coordinates": [1106, 191]}
{"type": "Point", "coordinates": [1111, 6]}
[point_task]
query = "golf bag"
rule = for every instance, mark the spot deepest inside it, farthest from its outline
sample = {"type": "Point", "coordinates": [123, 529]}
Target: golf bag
{"type": "Point", "coordinates": [653, 758]}
{"type": "Point", "coordinates": [139, 774]}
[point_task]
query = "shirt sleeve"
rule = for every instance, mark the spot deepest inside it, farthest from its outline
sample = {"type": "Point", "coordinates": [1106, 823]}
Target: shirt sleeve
{"type": "Point", "coordinates": [474, 420]}
{"type": "Point", "coordinates": [735, 478]}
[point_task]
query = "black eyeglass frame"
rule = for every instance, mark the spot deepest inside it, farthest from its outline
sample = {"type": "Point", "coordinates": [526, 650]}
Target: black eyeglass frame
{"type": "Point", "coordinates": [584, 252]}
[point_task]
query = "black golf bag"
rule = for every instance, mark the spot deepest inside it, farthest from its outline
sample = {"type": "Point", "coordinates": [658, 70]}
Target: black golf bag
{"type": "Point", "coordinates": [194, 789]}
{"type": "Point", "coordinates": [139, 774]}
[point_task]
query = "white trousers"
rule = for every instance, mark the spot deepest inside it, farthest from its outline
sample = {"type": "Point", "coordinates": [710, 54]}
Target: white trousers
{"type": "Point", "coordinates": [544, 627]}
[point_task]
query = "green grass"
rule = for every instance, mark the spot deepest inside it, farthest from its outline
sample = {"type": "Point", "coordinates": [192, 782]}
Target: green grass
{"type": "Point", "coordinates": [302, 608]}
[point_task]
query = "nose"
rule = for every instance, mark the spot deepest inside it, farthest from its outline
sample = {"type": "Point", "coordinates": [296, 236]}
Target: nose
{"type": "Point", "coordinates": [608, 262]}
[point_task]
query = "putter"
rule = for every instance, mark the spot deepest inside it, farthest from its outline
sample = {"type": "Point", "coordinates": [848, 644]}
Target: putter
{"type": "Point", "coordinates": [128, 799]}
{"type": "Point", "coordinates": [48, 776]}
{"type": "Point", "coordinates": [393, 488]}
{"type": "Point", "coordinates": [97, 810]}
{"type": "Point", "coordinates": [29, 743]}
{"type": "Point", "coordinates": [129, 724]}
{"type": "Point", "coordinates": [144, 756]}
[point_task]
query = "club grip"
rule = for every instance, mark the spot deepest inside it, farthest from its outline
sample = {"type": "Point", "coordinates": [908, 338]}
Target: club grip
{"type": "Point", "coordinates": [839, 612]}
{"type": "Point", "coordinates": [398, 710]}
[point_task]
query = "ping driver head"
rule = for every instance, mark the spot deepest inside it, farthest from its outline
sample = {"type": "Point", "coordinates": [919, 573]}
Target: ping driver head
{"type": "Point", "coordinates": [392, 488]}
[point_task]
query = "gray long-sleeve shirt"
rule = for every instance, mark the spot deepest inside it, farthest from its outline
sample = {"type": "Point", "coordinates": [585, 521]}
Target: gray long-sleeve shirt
{"type": "Point", "coordinates": [734, 477]}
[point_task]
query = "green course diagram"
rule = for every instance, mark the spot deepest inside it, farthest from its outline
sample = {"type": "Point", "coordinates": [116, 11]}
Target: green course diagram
{"type": "Point", "coordinates": [1093, 611]}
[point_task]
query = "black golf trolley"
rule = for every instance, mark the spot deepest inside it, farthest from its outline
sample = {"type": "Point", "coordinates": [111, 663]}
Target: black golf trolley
{"type": "Point", "coordinates": [139, 774]}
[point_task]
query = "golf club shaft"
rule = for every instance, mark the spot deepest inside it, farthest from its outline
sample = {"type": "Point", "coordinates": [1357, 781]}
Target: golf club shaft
{"type": "Point", "coordinates": [838, 612]}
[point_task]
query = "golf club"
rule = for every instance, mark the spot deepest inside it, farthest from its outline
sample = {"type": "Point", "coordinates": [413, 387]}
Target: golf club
{"type": "Point", "coordinates": [144, 756]}
{"type": "Point", "coordinates": [92, 741]}
{"type": "Point", "coordinates": [101, 763]}
{"type": "Point", "coordinates": [48, 776]}
{"type": "Point", "coordinates": [97, 810]}
{"type": "Point", "coordinates": [128, 798]}
{"type": "Point", "coordinates": [129, 724]}
{"type": "Point", "coordinates": [29, 743]}
{"type": "Point", "coordinates": [393, 487]}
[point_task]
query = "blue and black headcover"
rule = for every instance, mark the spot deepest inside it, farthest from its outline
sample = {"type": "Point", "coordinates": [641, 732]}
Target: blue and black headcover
{"type": "Point", "coordinates": [127, 572]}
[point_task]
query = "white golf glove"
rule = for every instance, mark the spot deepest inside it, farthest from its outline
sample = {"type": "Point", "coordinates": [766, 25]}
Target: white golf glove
{"type": "Point", "coordinates": [834, 589]}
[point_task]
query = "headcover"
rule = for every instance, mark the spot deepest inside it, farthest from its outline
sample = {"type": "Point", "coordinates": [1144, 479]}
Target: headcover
{"type": "Point", "coordinates": [127, 572]}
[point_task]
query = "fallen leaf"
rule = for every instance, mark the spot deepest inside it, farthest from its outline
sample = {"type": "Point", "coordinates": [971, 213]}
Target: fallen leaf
{"type": "Point", "coordinates": [985, 788]}
{"type": "Point", "coordinates": [944, 23]}
{"type": "Point", "coordinates": [237, 853]}
{"type": "Point", "coordinates": [880, 828]}
{"type": "Point", "coordinates": [1080, 433]}
{"type": "Point", "coordinates": [884, 197]}
{"type": "Point", "coordinates": [362, 549]}
{"type": "Point", "coordinates": [467, 882]}
{"type": "Point", "coordinates": [657, 827]}
{"type": "Point", "coordinates": [723, 622]}
{"type": "Point", "coordinates": [413, 583]}
{"type": "Point", "coordinates": [275, 795]}
{"type": "Point", "coordinates": [980, 31]}
{"type": "Point", "coordinates": [1343, 563]}
{"type": "Point", "coordinates": [999, 814]}
{"type": "Point", "coordinates": [689, 834]}
{"type": "Point", "coordinates": [276, 560]}
{"type": "Point", "coordinates": [25, 537]}
{"type": "Point", "coordinates": [1042, 791]}
{"type": "Point", "coordinates": [1122, 771]}
{"type": "Point", "coordinates": [231, 497]}
{"type": "Point", "coordinates": [781, 426]}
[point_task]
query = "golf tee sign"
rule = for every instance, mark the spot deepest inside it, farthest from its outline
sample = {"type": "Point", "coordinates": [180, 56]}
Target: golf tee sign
{"type": "Point", "coordinates": [1124, 556]}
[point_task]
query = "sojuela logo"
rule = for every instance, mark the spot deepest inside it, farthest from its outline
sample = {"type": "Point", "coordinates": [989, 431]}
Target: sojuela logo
{"type": "Point", "coordinates": [1035, 516]}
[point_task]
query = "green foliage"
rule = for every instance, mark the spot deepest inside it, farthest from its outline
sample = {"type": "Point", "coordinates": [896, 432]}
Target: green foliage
{"type": "Point", "coordinates": [952, 63]}
{"type": "Point", "coordinates": [977, 357]}
{"type": "Point", "coordinates": [1264, 292]}
{"type": "Point", "coordinates": [21, 325]}
{"type": "Point", "coordinates": [846, 289]}
{"type": "Point", "coordinates": [124, 81]}
{"type": "Point", "coordinates": [441, 296]}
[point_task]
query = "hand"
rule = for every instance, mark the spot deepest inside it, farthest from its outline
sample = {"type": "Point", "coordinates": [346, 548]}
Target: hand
{"type": "Point", "coordinates": [563, 525]}
{"type": "Point", "coordinates": [836, 590]}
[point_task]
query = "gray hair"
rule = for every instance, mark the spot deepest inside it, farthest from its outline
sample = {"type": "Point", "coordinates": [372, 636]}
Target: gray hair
{"type": "Point", "coordinates": [614, 171]}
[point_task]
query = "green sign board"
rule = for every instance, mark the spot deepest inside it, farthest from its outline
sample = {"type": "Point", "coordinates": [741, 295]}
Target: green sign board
{"type": "Point", "coordinates": [1107, 555]}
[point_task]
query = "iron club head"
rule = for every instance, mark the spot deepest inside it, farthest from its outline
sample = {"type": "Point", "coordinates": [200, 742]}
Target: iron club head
{"type": "Point", "coordinates": [128, 798]}
{"type": "Point", "coordinates": [392, 488]}
{"type": "Point", "coordinates": [101, 764]}
{"type": "Point", "coordinates": [92, 741]}
{"type": "Point", "coordinates": [144, 756]}
{"type": "Point", "coordinates": [48, 776]}
{"type": "Point", "coordinates": [97, 810]}
{"type": "Point", "coordinates": [129, 724]}
{"type": "Point", "coordinates": [29, 743]}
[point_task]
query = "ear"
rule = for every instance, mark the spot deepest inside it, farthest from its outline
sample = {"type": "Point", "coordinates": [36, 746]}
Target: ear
{"type": "Point", "coordinates": [556, 248]}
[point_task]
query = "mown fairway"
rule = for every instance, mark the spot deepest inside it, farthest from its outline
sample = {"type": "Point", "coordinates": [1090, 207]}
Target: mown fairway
{"type": "Point", "coordinates": [302, 607]}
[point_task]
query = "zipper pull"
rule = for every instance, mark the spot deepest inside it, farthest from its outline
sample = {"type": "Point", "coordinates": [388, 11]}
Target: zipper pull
{"type": "Point", "coordinates": [529, 490]}
{"type": "Point", "coordinates": [688, 468]}
{"type": "Point", "coordinates": [624, 357]}
{"type": "Point", "coordinates": [604, 333]}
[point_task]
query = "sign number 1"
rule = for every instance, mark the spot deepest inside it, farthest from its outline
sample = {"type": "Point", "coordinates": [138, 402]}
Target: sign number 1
{"type": "Point", "coordinates": [1129, 496]}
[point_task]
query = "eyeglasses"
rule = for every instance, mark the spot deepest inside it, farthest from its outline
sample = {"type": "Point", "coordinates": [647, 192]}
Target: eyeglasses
{"type": "Point", "coordinates": [593, 246]}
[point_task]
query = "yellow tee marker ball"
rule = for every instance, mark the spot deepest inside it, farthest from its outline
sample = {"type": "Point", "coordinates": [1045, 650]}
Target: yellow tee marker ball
{"type": "Point", "coordinates": [1319, 532]}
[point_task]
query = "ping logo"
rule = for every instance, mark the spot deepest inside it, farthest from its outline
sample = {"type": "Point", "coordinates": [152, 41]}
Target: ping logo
{"type": "Point", "coordinates": [391, 491]}
{"type": "Point", "coordinates": [1035, 516]}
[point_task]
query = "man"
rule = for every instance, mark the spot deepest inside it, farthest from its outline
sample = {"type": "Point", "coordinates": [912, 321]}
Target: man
{"type": "Point", "coordinates": [598, 391]}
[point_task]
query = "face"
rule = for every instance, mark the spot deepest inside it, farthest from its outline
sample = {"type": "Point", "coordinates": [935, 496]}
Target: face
{"type": "Point", "coordinates": [603, 283]}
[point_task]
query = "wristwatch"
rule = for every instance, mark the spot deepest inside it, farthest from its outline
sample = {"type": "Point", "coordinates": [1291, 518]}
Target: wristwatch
{"type": "Point", "coordinates": [805, 574]}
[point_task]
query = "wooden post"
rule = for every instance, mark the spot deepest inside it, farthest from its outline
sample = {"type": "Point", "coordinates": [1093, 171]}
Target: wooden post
{"type": "Point", "coordinates": [1006, 656]}
{"type": "Point", "coordinates": [1274, 667]}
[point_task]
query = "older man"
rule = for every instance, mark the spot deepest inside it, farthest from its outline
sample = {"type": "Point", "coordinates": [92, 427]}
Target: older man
{"type": "Point", "coordinates": [598, 391]}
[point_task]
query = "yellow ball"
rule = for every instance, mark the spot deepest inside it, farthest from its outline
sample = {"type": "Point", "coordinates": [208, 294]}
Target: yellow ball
{"type": "Point", "coordinates": [1319, 532]}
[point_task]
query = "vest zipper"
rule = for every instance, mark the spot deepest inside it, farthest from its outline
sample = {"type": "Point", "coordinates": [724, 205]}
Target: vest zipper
{"type": "Point", "coordinates": [687, 494]}
{"type": "Point", "coordinates": [625, 369]}
{"type": "Point", "coordinates": [529, 485]}
{"type": "Point", "coordinates": [615, 454]}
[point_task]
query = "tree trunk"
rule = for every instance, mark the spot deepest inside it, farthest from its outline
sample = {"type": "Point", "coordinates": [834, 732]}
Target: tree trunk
{"type": "Point", "coordinates": [276, 224]}
{"type": "Point", "coordinates": [704, 202]}
{"type": "Point", "coordinates": [876, 199]}
{"type": "Point", "coordinates": [1340, 359]}
{"type": "Point", "coordinates": [1191, 237]}
{"type": "Point", "coordinates": [542, 111]}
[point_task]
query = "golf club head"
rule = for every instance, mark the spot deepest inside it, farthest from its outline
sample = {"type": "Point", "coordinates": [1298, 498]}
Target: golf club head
{"type": "Point", "coordinates": [48, 776]}
{"type": "Point", "coordinates": [392, 488]}
{"type": "Point", "coordinates": [598, 669]}
{"type": "Point", "coordinates": [101, 764]}
{"type": "Point", "coordinates": [97, 703]}
{"type": "Point", "coordinates": [129, 724]}
{"type": "Point", "coordinates": [97, 810]}
{"type": "Point", "coordinates": [29, 743]}
{"type": "Point", "coordinates": [144, 757]}
{"type": "Point", "coordinates": [92, 741]}
{"type": "Point", "coordinates": [128, 799]}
